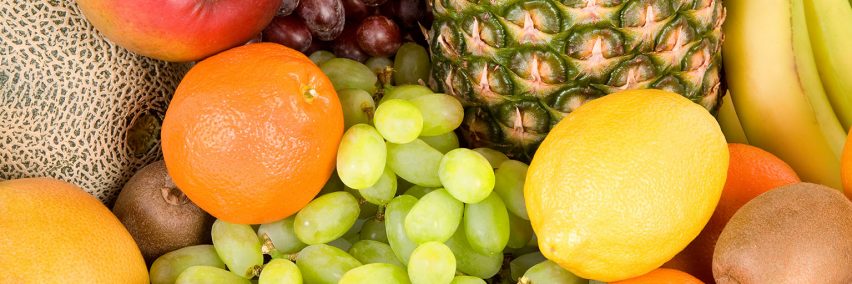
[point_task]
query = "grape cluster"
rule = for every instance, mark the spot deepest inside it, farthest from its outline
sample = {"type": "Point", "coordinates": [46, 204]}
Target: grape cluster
{"type": "Point", "coordinates": [354, 29]}
{"type": "Point", "coordinates": [405, 205]}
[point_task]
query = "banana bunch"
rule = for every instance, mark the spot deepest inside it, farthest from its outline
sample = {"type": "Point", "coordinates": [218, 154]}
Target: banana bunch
{"type": "Point", "coordinates": [788, 65]}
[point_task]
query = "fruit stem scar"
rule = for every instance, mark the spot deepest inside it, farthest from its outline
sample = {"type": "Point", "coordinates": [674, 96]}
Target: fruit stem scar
{"type": "Point", "coordinates": [309, 92]}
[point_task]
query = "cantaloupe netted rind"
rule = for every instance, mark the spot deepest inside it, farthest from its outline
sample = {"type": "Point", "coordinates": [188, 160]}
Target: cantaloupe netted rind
{"type": "Point", "coordinates": [70, 98]}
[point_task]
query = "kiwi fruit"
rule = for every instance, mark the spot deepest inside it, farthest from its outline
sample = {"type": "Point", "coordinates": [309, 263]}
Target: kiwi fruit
{"type": "Point", "coordinates": [158, 215]}
{"type": "Point", "coordinates": [799, 233]}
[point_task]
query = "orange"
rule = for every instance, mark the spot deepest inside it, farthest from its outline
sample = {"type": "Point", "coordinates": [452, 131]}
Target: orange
{"type": "Point", "coordinates": [54, 232]}
{"type": "Point", "coordinates": [662, 276]}
{"type": "Point", "coordinates": [625, 182]}
{"type": "Point", "coordinates": [846, 166]}
{"type": "Point", "coordinates": [751, 171]}
{"type": "Point", "coordinates": [251, 134]}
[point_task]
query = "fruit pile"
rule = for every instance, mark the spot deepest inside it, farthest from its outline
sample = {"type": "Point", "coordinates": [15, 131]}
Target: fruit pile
{"type": "Point", "coordinates": [372, 141]}
{"type": "Point", "coordinates": [404, 195]}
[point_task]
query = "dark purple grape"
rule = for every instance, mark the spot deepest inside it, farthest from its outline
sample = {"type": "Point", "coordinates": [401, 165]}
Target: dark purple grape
{"type": "Point", "coordinates": [410, 12]}
{"type": "Point", "coordinates": [287, 7]}
{"type": "Point", "coordinates": [325, 18]}
{"type": "Point", "coordinates": [374, 3]}
{"type": "Point", "coordinates": [347, 45]}
{"type": "Point", "coordinates": [355, 10]}
{"type": "Point", "coordinates": [379, 36]}
{"type": "Point", "coordinates": [289, 31]}
{"type": "Point", "coordinates": [317, 45]}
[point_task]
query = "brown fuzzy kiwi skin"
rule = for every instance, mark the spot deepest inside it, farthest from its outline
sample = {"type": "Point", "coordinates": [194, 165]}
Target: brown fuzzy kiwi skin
{"type": "Point", "coordinates": [800, 233]}
{"type": "Point", "coordinates": [158, 215]}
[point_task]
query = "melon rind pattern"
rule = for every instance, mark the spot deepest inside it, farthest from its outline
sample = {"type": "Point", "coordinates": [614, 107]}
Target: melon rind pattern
{"type": "Point", "coordinates": [68, 97]}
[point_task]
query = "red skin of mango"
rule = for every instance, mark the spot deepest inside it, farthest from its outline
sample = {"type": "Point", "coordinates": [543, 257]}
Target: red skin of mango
{"type": "Point", "coordinates": [179, 30]}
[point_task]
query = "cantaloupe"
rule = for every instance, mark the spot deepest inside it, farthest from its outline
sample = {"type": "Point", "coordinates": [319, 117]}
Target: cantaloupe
{"type": "Point", "coordinates": [73, 105]}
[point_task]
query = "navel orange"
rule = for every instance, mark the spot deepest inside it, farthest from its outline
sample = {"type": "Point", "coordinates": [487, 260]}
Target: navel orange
{"type": "Point", "coordinates": [54, 232]}
{"type": "Point", "coordinates": [251, 134]}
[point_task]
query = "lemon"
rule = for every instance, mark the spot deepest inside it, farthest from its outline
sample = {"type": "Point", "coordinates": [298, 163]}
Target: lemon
{"type": "Point", "coordinates": [625, 182]}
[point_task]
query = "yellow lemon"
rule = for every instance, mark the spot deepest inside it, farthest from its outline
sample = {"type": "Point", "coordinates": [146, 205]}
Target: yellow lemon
{"type": "Point", "coordinates": [625, 182]}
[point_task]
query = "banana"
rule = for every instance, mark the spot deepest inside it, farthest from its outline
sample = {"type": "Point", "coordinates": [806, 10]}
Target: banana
{"type": "Point", "coordinates": [729, 122]}
{"type": "Point", "coordinates": [830, 27]}
{"type": "Point", "coordinates": [767, 89]}
{"type": "Point", "coordinates": [813, 87]}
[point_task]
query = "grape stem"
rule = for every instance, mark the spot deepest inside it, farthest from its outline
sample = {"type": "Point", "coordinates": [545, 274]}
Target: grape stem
{"type": "Point", "coordinates": [380, 213]}
{"type": "Point", "coordinates": [269, 248]}
{"type": "Point", "coordinates": [524, 280]}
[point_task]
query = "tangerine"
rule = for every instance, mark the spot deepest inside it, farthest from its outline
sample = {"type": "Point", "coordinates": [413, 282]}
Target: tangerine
{"type": "Point", "coordinates": [751, 172]}
{"type": "Point", "coordinates": [251, 134]}
{"type": "Point", "coordinates": [662, 276]}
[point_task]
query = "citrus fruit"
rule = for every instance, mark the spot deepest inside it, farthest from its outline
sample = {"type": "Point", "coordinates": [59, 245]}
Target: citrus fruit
{"type": "Point", "coordinates": [625, 182]}
{"type": "Point", "coordinates": [251, 133]}
{"type": "Point", "coordinates": [751, 171]}
{"type": "Point", "coordinates": [662, 276]}
{"type": "Point", "coordinates": [53, 232]}
{"type": "Point", "coordinates": [846, 166]}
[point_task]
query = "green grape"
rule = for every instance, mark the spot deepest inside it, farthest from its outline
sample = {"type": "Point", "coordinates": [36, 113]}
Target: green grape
{"type": "Point", "coordinates": [416, 162]}
{"type": "Point", "coordinates": [369, 251]}
{"type": "Point", "coordinates": [321, 56]}
{"type": "Point", "coordinates": [367, 209]}
{"type": "Point", "coordinates": [444, 142]}
{"type": "Point", "coordinates": [550, 272]}
{"type": "Point", "coordinates": [520, 232]}
{"type": "Point", "coordinates": [280, 271]}
{"type": "Point", "coordinates": [355, 229]}
{"type": "Point", "coordinates": [167, 267]}
{"type": "Point", "coordinates": [209, 275]}
{"type": "Point", "coordinates": [375, 273]}
{"type": "Point", "coordinates": [341, 243]}
{"type": "Point", "coordinates": [346, 73]}
{"type": "Point", "coordinates": [519, 265]}
{"type": "Point", "coordinates": [238, 247]}
{"type": "Point", "coordinates": [431, 262]}
{"type": "Point", "coordinates": [282, 234]}
{"type": "Point", "coordinates": [361, 156]}
{"type": "Point", "coordinates": [419, 191]}
{"type": "Point", "coordinates": [378, 64]}
{"type": "Point", "coordinates": [374, 230]}
{"type": "Point", "coordinates": [466, 175]}
{"type": "Point", "coordinates": [399, 121]}
{"type": "Point", "coordinates": [405, 92]}
{"type": "Point", "coordinates": [401, 182]}
{"type": "Point", "coordinates": [324, 264]}
{"type": "Point", "coordinates": [411, 64]}
{"type": "Point", "coordinates": [395, 215]}
{"type": "Point", "coordinates": [509, 181]}
{"type": "Point", "coordinates": [494, 157]}
{"type": "Point", "coordinates": [383, 190]}
{"type": "Point", "coordinates": [441, 113]}
{"type": "Point", "coordinates": [358, 107]}
{"type": "Point", "coordinates": [486, 225]}
{"type": "Point", "coordinates": [326, 218]}
{"type": "Point", "coordinates": [434, 218]}
{"type": "Point", "coordinates": [464, 279]}
{"type": "Point", "coordinates": [333, 184]}
{"type": "Point", "coordinates": [471, 262]}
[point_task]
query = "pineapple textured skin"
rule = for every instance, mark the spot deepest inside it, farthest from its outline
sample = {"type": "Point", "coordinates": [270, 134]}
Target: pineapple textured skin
{"type": "Point", "coordinates": [520, 66]}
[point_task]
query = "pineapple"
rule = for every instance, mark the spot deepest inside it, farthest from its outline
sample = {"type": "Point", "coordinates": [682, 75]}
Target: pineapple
{"type": "Point", "coordinates": [520, 66]}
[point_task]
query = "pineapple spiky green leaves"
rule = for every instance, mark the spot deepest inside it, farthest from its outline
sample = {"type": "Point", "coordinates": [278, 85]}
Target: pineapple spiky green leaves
{"type": "Point", "coordinates": [520, 66]}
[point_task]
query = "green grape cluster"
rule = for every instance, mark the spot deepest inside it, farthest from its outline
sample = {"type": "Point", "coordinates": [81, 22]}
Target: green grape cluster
{"type": "Point", "coordinates": [406, 204]}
